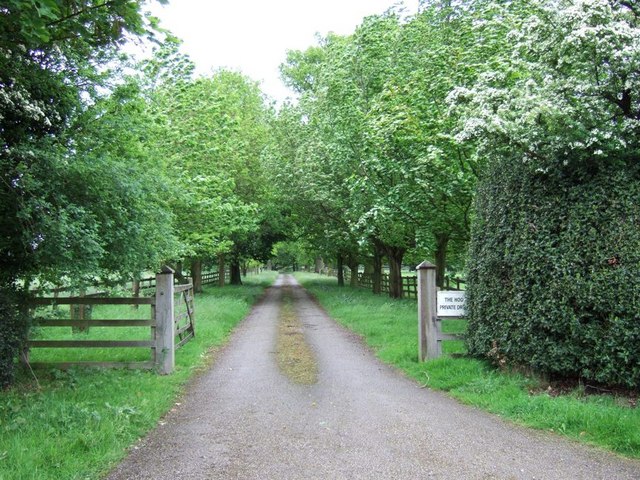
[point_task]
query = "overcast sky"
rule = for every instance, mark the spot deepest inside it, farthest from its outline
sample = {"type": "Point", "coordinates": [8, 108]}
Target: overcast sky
{"type": "Point", "coordinates": [252, 36]}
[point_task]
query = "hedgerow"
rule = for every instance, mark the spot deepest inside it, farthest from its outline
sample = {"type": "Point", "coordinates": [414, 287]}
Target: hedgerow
{"type": "Point", "coordinates": [554, 277]}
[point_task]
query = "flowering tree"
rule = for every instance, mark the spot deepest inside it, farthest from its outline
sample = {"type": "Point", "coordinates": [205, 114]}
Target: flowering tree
{"type": "Point", "coordinates": [375, 102]}
{"type": "Point", "coordinates": [553, 269]}
{"type": "Point", "coordinates": [569, 92]}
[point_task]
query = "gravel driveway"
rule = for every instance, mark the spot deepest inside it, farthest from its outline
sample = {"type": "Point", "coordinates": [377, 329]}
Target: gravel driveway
{"type": "Point", "coordinates": [362, 420]}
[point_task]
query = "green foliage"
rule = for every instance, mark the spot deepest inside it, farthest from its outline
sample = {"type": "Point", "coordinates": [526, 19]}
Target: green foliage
{"type": "Point", "coordinates": [290, 255]}
{"type": "Point", "coordinates": [210, 133]}
{"type": "Point", "coordinates": [553, 281]}
{"type": "Point", "coordinates": [83, 25]}
{"type": "Point", "coordinates": [67, 204]}
{"type": "Point", "coordinates": [375, 163]}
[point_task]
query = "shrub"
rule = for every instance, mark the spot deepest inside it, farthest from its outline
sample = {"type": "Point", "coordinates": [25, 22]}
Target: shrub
{"type": "Point", "coordinates": [554, 283]}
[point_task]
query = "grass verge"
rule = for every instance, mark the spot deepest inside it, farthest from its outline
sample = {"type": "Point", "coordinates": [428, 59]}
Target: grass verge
{"type": "Point", "coordinates": [390, 328]}
{"type": "Point", "coordinates": [77, 424]}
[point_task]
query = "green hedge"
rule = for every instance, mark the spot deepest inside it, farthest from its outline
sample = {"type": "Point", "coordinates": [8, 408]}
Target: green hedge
{"type": "Point", "coordinates": [554, 272]}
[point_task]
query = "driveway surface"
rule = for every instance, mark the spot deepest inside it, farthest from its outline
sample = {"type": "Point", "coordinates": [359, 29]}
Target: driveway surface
{"type": "Point", "coordinates": [244, 419]}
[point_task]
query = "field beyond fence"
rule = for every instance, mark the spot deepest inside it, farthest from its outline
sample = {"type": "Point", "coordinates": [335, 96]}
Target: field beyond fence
{"type": "Point", "coordinates": [99, 322]}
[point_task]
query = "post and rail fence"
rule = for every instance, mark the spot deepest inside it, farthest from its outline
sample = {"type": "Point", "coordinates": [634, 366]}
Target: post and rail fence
{"type": "Point", "coordinates": [168, 330]}
{"type": "Point", "coordinates": [409, 282]}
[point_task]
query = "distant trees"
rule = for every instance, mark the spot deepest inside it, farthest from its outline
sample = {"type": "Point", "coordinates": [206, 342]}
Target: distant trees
{"type": "Point", "coordinates": [210, 133]}
{"type": "Point", "coordinates": [380, 165]}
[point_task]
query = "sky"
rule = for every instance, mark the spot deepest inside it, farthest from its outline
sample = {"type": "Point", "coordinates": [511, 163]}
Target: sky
{"type": "Point", "coordinates": [253, 36]}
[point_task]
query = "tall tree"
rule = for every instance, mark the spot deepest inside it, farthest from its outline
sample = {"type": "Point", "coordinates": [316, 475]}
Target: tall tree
{"type": "Point", "coordinates": [376, 105]}
{"type": "Point", "coordinates": [211, 132]}
{"type": "Point", "coordinates": [51, 57]}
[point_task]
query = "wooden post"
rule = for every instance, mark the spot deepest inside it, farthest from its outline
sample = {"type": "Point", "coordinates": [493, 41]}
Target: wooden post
{"type": "Point", "coordinates": [165, 344]}
{"type": "Point", "coordinates": [428, 345]}
{"type": "Point", "coordinates": [80, 312]}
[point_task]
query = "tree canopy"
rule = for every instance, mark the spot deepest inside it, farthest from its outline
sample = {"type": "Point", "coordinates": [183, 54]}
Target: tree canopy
{"type": "Point", "coordinates": [66, 199]}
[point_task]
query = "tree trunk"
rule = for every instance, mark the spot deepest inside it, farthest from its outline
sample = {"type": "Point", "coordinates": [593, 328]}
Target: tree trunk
{"type": "Point", "coordinates": [442, 240]}
{"type": "Point", "coordinates": [221, 279]}
{"type": "Point", "coordinates": [394, 255]}
{"type": "Point", "coordinates": [136, 288]}
{"type": "Point", "coordinates": [319, 265]}
{"type": "Point", "coordinates": [340, 267]}
{"type": "Point", "coordinates": [236, 279]}
{"type": "Point", "coordinates": [376, 279]}
{"type": "Point", "coordinates": [196, 275]}
{"type": "Point", "coordinates": [178, 272]}
{"type": "Point", "coordinates": [244, 269]}
{"type": "Point", "coordinates": [353, 266]}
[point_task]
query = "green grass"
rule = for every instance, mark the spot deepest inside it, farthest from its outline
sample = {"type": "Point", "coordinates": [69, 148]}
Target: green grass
{"type": "Point", "coordinates": [77, 424]}
{"type": "Point", "coordinates": [390, 328]}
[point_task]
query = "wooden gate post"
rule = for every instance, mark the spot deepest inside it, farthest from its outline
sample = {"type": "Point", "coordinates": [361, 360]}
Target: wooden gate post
{"type": "Point", "coordinates": [427, 311]}
{"type": "Point", "coordinates": [165, 344]}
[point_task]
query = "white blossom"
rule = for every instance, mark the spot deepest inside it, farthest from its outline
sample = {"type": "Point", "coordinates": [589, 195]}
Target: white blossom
{"type": "Point", "coordinates": [572, 66]}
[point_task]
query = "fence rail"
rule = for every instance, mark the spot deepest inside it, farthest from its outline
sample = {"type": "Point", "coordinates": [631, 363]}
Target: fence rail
{"type": "Point", "coordinates": [211, 278]}
{"type": "Point", "coordinates": [365, 280]}
{"type": "Point", "coordinates": [93, 301]}
{"type": "Point", "coordinates": [169, 330]}
{"type": "Point", "coordinates": [410, 287]}
{"type": "Point", "coordinates": [409, 282]}
{"type": "Point", "coordinates": [146, 286]}
{"type": "Point", "coordinates": [459, 282]}
{"type": "Point", "coordinates": [184, 320]}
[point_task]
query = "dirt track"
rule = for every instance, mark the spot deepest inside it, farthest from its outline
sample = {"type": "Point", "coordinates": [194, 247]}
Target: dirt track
{"type": "Point", "coordinates": [362, 420]}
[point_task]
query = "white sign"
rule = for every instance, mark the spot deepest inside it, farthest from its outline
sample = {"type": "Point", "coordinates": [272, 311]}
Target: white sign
{"type": "Point", "coordinates": [451, 304]}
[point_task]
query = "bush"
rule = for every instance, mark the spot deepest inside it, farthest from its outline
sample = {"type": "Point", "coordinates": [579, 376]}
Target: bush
{"type": "Point", "coordinates": [554, 283]}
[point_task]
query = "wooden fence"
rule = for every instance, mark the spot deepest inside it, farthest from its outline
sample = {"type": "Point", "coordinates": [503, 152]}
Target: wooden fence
{"type": "Point", "coordinates": [184, 320]}
{"type": "Point", "coordinates": [365, 280]}
{"type": "Point", "coordinates": [410, 287]}
{"type": "Point", "coordinates": [211, 278]}
{"type": "Point", "coordinates": [148, 285]}
{"type": "Point", "coordinates": [409, 282]}
{"type": "Point", "coordinates": [164, 324]}
{"type": "Point", "coordinates": [460, 283]}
